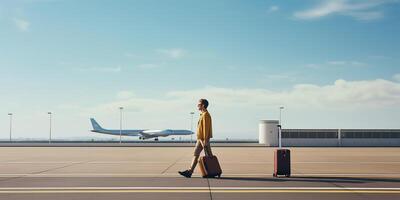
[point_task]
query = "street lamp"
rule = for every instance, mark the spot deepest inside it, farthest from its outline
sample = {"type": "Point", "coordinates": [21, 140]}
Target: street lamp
{"type": "Point", "coordinates": [280, 115]}
{"type": "Point", "coordinates": [191, 127]}
{"type": "Point", "coordinates": [120, 124]}
{"type": "Point", "coordinates": [10, 114]}
{"type": "Point", "coordinates": [280, 126]}
{"type": "Point", "coordinates": [50, 126]}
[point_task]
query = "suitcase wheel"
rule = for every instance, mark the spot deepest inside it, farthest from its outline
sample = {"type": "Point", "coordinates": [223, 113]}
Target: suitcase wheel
{"type": "Point", "coordinates": [287, 175]}
{"type": "Point", "coordinates": [219, 176]}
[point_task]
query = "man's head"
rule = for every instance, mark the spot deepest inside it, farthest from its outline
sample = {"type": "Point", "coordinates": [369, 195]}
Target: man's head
{"type": "Point", "coordinates": [202, 105]}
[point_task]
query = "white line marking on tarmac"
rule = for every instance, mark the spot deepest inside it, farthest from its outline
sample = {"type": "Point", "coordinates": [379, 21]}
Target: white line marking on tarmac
{"type": "Point", "coordinates": [262, 175]}
{"type": "Point", "coordinates": [18, 190]}
{"type": "Point", "coordinates": [192, 188]}
{"type": "Point", "coordinates": [184, 162]}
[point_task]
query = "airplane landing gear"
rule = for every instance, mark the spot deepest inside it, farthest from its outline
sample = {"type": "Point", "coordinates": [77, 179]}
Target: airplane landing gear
{"type": "Point", "coordinates": [156, 139]}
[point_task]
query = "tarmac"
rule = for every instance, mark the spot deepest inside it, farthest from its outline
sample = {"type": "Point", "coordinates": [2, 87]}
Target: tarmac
{"type": "Point", "coordinates": [140, 172]}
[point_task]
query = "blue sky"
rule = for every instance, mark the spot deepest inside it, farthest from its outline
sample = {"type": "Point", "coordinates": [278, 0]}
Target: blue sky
{"type": "Point", "coordinates": [332, 64]}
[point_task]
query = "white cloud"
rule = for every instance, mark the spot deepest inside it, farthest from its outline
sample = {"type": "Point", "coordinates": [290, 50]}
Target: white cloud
{"type": "Point", "coordinates": [340, 95]}
{"type": "Point", "coordinates": [125, 94]}
{"type": "Point", "coordinates": [396, 77]}
{"type": "Point", "coordinates": [346, 63]}
{"type": "Point", "coordinates": [360, 10]}
{"type": "Point", "coordinates": [273, 9]}
{"type": "Point", "coordinates": [175, 53]}
{"type": "Point", "coordinates": [22, 25]}
{"type": "Point", "coordinates": [236, 111]}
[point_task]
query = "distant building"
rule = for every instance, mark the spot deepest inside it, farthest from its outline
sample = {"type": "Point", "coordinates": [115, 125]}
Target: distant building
{"type": "Point", "coordinates": [268, 135]}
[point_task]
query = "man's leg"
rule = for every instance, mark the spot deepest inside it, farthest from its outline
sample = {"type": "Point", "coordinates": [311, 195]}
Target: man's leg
{"type": "Point", "coordinates": [197, 150]}
{"type": "Point", "coordinates": [195, 160]}
{"type": "Point", "coordinates": [207, 150]}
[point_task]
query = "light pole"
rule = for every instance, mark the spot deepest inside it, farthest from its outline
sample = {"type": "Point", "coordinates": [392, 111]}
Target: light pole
{"type": "Point", "coordinates": [191, 127]}
{"type": "Point", "coordinates": [50, 126]}
{"type": "Point", "coordinates": [10, 114]}
{"type": "Point", "coordinates": [120, 124]}
{"type": "Point", "coordinates": [280, 126]}
{"type": "Point", "coordinates": [280, 115]}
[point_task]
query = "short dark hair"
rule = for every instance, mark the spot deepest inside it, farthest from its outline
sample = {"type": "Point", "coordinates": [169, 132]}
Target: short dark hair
{"type": "Point", "coordinates": [204, 102]}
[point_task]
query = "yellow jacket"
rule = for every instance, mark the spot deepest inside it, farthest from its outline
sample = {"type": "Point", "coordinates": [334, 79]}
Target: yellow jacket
{"type": "Point", "coordinates": [204, 126]}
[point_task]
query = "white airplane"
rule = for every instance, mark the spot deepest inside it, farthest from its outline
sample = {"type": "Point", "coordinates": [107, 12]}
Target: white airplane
{"type": "Point", "coordinates": [142, 133]}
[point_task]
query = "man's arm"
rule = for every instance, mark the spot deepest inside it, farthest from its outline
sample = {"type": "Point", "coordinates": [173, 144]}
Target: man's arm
{"type": "Point", "coordinates": [205, 142]}
{"type": "Point", "coordinates": [206, 129]}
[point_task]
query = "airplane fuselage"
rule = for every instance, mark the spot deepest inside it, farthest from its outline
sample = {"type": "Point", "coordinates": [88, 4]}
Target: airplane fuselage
{"type": "Point", "coordinates": [142, 133]}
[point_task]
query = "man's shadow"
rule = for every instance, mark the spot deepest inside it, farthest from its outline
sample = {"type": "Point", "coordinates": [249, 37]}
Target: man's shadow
{"type": "Point", "coordinates": [313, 179]}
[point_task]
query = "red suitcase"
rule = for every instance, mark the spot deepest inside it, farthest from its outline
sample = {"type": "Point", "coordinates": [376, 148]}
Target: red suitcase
{"type": "Point", "coordinates": [209, 167]}
{"type": "Point", "coordinates": [281, 158]}
{"type": "Point", "coordinates": [282, 162]}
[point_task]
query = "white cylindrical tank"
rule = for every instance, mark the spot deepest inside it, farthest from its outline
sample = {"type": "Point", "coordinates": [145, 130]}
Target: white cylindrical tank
{"type": "Point", "coordinates": [268, 132]}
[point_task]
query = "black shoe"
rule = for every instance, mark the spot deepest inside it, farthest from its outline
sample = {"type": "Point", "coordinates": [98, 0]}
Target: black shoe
{"type": "Point", "coordinates": [185, 173]}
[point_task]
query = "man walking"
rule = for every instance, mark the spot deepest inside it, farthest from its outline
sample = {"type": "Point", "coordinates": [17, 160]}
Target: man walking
{"type": "Point", "coordinates": [204, 133]}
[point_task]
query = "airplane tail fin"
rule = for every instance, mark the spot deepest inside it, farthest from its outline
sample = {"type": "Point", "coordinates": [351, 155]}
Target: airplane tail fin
{"type": "Point", "coordinates": [95, 125]}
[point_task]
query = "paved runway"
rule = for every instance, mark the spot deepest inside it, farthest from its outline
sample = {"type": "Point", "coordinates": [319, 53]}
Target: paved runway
{"type": "Point", "coordinates": [150, 173]}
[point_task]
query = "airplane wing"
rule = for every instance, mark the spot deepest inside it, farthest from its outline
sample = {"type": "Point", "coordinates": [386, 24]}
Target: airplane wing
{"type": "Point", "coordinates": [163, 133]}
{"type": "Point", "coordinates": [146, 134]}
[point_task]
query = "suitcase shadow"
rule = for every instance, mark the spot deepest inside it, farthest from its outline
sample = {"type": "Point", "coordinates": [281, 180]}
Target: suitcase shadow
{"type": "Point", "coordinates": [315, 179]}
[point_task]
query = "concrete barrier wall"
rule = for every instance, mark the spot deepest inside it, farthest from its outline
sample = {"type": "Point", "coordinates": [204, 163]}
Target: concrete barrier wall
{"type": "Point", "coordinates": [345, 142]}
{"type": "Point", "coordinates": [370, 142]}
{"type": "Point", "coordinates": [317, 142]}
